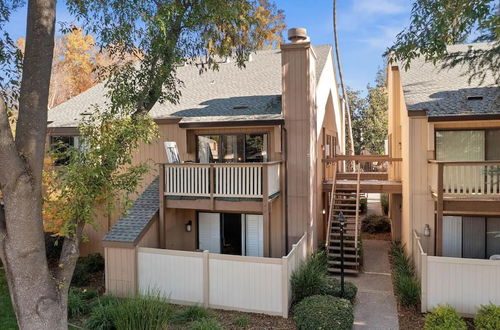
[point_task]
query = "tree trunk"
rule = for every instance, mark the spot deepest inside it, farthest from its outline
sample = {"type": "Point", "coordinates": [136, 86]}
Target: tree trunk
{"type": "Point", "coordinates": [38, 297]}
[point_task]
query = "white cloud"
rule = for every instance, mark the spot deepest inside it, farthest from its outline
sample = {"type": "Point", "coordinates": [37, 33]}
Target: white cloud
{"type": "Point", "coordinates": [383, 38]}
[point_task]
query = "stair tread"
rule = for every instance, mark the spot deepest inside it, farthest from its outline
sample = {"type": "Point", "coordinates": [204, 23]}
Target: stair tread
{"type": "Point", "coordinates": [346, 263]}
{"type": "Point", "coordinates": [337, 255]}
{"type": "Point", "coordinates": [337, 270]}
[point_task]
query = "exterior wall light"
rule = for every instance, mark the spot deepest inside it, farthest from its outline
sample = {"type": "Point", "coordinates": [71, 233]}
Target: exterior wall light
{"type": "Point", "coordinates": [189, 226]}
{"type": "Point", "coordinates": [427, 230]}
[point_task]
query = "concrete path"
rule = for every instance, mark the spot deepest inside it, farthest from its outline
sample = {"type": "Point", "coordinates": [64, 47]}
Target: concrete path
{"type": "Point", "coordinates": [375, 306]}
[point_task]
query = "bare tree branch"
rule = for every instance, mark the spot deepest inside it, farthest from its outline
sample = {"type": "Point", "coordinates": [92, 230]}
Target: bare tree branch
{"type": "Point", "coordinates": [3, 233]}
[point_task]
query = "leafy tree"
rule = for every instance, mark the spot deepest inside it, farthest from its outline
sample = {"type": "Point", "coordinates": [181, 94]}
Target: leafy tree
{"type": "Point", "coordinates": [369, 117]}
{"type": "Point", "coordinates": [438, 23]}
{"type": "Point", "coordinates": [161, 35]}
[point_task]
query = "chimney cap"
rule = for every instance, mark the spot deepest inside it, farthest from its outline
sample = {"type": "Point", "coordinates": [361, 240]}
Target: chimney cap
{"type": "Point", "coordinates": [297, 35]}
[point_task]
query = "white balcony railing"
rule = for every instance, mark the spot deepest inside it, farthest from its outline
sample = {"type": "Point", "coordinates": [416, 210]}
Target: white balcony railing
{"type": "Point", "coordinates": [238, 180]}
{"type": "Point", "coordinates": [471, 178]}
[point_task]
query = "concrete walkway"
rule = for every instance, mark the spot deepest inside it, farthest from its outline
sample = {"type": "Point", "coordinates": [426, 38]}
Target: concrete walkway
{"type": "Point", "coordinates": [375, 306]}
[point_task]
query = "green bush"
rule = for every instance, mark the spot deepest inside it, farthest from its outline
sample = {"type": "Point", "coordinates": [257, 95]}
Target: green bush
{"type": "Point", "coordinates": [332, 288]}
{"type": "Point", "coordinates": [142, 312]}
{"type": "Point", "coordinates": [192, 313]}
{"type": "Point", "coordinates": [374, 224]}
{"type": "Point", "coordinates": [324, 312]}
{"type": "Point", "coordinates": [363, 204]}
{"type": "Point", "coordinates": [407, 285]}
{"type": "Point", "coordinates": [206, 324]}
{"type": "Point", "coordinates": [384, 202]}
{"type": "Point", "coordinates": [241, 321]}
{"type": "Point", "coordinates": [310, 278]}
{"type": "Point", "coordinates": [85, 267]}
{"type": "Point", "coordinates": [488, 317]}
{"type": "Point", "coordinates": [408, 290]}
{"type": "Point", "coordinates": [444, 317]}
{"type": "Point", "coordinates": [77, 303]}
{"type": "Point", "coordinates": [101, 318]}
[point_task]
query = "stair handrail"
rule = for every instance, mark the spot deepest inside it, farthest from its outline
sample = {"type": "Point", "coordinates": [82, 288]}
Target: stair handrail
{"type": "Point", "coordinates": [357, 208]}
{"type": "Point", "coordinates": [330, 207]}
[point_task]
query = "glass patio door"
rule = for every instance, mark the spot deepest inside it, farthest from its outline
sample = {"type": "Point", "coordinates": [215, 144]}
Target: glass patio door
{"type": "Point", "coordinates": [462, 146]}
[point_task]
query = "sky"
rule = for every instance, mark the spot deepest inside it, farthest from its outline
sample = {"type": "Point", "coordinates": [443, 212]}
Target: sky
{"type": "Point", "coordinates": [366, 28]}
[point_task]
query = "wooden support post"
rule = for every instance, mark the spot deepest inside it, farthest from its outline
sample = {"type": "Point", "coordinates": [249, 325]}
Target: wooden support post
{"type": "Point", "coordinates": [212, 186]}
{"type": "Point", "coordinates": [265, 210]}
{"type": "Point", "coordinates": [161, 220]}
{"type": "Point", "coordinates": [439, 211]}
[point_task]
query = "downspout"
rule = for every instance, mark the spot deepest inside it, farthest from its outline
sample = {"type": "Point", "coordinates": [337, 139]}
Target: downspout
{"type": "Point", "coordinates": [285, 200]}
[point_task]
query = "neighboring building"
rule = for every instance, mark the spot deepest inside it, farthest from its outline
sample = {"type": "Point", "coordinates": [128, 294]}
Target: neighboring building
{"type": "Point", "coordinates": [251, 143]}
{"type": "Point", "coordinates": [447, 132]}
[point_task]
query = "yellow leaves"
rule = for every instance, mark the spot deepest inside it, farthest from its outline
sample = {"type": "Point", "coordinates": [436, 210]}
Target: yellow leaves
{"type": "Point", "coordinates": [78, 63]}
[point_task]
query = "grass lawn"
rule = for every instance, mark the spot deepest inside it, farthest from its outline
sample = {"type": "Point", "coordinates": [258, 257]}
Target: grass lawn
{"type": "Point", "coordinates": [7, 317]}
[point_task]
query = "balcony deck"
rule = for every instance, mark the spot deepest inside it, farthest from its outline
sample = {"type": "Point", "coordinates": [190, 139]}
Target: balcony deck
{"type": "Point", "coordinates": [220, 186]}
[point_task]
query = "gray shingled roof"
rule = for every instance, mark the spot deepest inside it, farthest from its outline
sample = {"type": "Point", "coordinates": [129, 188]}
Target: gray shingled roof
{"type": "Point", "coordinates": [128, 228]}
{"type": "Point", "coordinates": [445, 92]}
{"type": "Point", "coordinates": [209, 97]}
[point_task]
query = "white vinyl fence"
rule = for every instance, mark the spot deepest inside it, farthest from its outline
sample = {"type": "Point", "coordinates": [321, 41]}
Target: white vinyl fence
{"type": "Point", "coordinates": [250, 284]}
{"type": "Point", "coordinates": [465, 284]}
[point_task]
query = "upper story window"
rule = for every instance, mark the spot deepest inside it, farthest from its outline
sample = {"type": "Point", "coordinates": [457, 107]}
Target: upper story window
{"type": "Point", "coordinates": [63, 143]}
{"type": "Point", "coordinates": [468, 145]}
{"type": "Point", "coordinates": [232, 148]}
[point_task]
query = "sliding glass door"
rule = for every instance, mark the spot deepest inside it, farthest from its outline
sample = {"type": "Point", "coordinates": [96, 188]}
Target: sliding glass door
{"type": "Point", "coordinates": [232, 148]}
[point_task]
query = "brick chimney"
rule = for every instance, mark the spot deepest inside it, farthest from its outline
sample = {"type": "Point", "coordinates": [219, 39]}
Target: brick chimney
{"type": "Point", "coordinates": [298, 103]}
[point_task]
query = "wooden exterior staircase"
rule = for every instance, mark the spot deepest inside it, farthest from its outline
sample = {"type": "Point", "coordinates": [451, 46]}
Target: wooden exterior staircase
{"type": "Point", "coordinates": [347, 201]}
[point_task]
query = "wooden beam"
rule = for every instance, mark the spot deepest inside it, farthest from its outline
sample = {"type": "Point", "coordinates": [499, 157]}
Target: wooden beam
{"type": "Point", "coordinates": [363, 158]}
{"type": "Point", "coordinates": [439, 211]}
{"type": "Point", "coordinates": [364, 176]}
{"type": "Point", "coordinates": [265, 211]}
{"type": "Point", "coordinates": [161, 219]}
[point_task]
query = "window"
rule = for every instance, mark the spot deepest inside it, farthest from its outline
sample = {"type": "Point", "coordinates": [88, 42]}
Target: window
{"type": "Point", "coordinates": [467, 145]}
{"type": "Point", "coordinates": [63, 143]}
{"type": "Point", "coordinates": [232, 148]}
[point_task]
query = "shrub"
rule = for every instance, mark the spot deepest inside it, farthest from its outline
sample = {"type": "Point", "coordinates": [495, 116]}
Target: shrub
{"type": "Point", "coordinates": [363, 204]}
{"type": "Point", "coordinates": [488, 317]}
{"type": "Point", "coordinates": [142, 312]}
{"type": "Point", "coordinates": [324, 312]}
{"type": "Point", "coordinates": [206, 324]}
{"type": "Point", "coordinates": [332, 288]}
{"type": "Point", "coordinates": [442, 318]}
{"type": "Point", "coordinates": [192, 313]}
{"type": "Point", "coordinates": [384, 202]}
{"type": "Point", "coordinates": [86, 266]}
{"type": "Point", "coordinates": [407, 285]}
{"type": "Point", "coordinates": [101, 317]}
{"type": "Point", "coordinates": [77, 304]}
{"type": "Point", "coordinates": [374, 224]}
{"type": "Point", "coordinates": [309, 279]}
{"type": "Point", "coordinates": [94, 262]}
{"type": "Point", "coordinates": [241, 321]}
{"type": "Point", "coordinates": [408, 290]}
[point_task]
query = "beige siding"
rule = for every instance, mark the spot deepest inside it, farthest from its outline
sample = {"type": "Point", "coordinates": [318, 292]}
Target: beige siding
{"type": "Point", "coordinates": [176, 236]}
{"type": "Point", "coordinates": [151, 238]}
{"type": "Point", "coordinates": [120, 271]}
{"type": "Point", "coordinates": [298, 64]}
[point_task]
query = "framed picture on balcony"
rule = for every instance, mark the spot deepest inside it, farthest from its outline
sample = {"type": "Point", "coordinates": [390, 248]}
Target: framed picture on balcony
{"type": "Point", "coordinates": [172, 152]}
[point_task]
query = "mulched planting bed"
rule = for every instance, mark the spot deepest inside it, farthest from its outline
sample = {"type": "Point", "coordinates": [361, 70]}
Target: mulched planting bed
{"type": "Point", "coordinates": [234, 320]}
